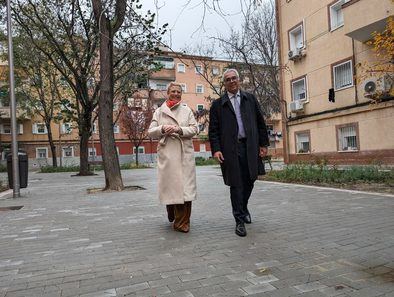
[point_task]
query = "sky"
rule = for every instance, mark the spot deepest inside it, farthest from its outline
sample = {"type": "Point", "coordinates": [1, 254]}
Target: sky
{"type": "Point", "coordinates": [185, 18]}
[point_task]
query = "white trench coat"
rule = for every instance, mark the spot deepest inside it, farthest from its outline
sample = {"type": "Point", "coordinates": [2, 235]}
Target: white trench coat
{"type": "Point", "coordinates": [175, 154]}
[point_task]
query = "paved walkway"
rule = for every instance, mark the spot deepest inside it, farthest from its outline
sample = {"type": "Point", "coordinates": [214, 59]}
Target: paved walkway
{"type": "Point", "coordinates": [303, 242]}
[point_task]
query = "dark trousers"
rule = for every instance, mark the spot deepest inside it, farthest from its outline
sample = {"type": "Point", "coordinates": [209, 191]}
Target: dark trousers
{"type": "Point", "coordinates": [240, 195]}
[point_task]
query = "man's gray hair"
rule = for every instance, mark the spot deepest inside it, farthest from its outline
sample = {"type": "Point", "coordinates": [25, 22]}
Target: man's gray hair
{"type": "Point", "coordinates": [228, 71]}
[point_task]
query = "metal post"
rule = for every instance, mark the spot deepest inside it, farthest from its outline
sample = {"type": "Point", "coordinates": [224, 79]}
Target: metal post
{"type": "Point", "coordinates": [14, 144]}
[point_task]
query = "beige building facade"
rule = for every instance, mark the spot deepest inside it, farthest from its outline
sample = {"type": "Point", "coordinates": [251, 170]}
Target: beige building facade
{"type": "Point", "coordinates": [329, 109]}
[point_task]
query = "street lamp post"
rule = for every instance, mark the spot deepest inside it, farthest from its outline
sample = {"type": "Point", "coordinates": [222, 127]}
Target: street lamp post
{"type": "Point", "coordinates": [14, 144]}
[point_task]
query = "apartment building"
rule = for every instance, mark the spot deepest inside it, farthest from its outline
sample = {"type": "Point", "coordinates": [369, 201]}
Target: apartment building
{"type": "Point", "coordinates": [200, 78]}
{"type": "Point", "coordinates": [330, 112]}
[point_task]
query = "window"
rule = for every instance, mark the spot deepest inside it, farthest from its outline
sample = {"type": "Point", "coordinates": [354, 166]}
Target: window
{"type": "Point", "coordinates": [41, 153]}
{"type": "Point", "coordinates": [203, 147]}
{"type": "Point", "coordinates": [94, 128]}
{"type": "Point", "coordinates": [270, 130]}
{"type": "Point", "coordinates": [68, 152]}
{"type": "Point", "coordinates": [272, 144]}
{"type": "Point", "coordinates": [296, 37]}
{"type": "Point", "coordinates": [343, 75]}
{"type": "Point", "coordinates": [20, 128]}
{"type": "Point", "coordinates": [215, 70]}
{"type": "Point", "coordinates": [347, 137]}
{"type": "Point", "coordinates": [336, 14]}
{"type": "Point", "coordinates": [161, 87]}
{"type": "Point", "coordinates": [200, 107]}
{"type": "Point", "coordinates": [181, 67]}
{"type": "Point", "coordinates": [116, 129]}
{"type": "Point", "coordinates": [166, 63]}
{"type": "Point", "coordinates": [39, 128]}
{"type": "Point", "coordinates": [302, 142]}
{"type": "Point", "coordinates": [66, 128]}
{"type": "Point", "coordinates": [5, 129]}
{"type": "Point", "coordinates": [199, 89]}
{"type": "Point", "coordinates": [141, 150]}
{"type": "Point", "coordinates": [183, 88]}
{"type": "Point", "coordinates": [299, 89]}
{"type": "Point", "coordinates": [92, 151]}
{"type": "Point", "coordinates": [198, 69]}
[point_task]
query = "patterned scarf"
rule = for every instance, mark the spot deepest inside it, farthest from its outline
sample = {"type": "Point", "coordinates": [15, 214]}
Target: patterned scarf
{"type": "Point", "coordinates": [171, 103]}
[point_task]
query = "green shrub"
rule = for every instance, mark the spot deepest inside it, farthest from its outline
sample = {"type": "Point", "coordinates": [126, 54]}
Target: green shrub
{"type": "Point", "coordinates": [133, 166]}
{"type": "Point", "coordinates": [324, 174]}
{"type": "Point", "coordinates": [3, 168]}
{"type": "Point", "coordinates": [51, 169]}
{"type": "Point", "coordinates": [200, 161]}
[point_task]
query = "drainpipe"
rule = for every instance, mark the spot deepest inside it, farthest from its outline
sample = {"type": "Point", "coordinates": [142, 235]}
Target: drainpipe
{"type": "Point", "coordinates": [281, 91]}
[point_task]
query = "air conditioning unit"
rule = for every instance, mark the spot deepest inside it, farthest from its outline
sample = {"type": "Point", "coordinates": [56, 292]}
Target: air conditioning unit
{"type": "Point", "coordinates": [297, 106]}
{"type": "Point", "coordinates": [296, 54]}
{"type": "Point", "coordinates": [377, 87]}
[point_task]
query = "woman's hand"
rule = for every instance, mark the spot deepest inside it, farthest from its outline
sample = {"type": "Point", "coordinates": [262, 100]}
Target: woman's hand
{"type": "Point", "coordinates": [170, 129]}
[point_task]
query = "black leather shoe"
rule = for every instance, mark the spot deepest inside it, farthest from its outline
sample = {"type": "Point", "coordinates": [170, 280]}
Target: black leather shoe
{"type": "Point", "coordinates": [240, 229]}
{"type": "Point", "coordinates": [247, 219]}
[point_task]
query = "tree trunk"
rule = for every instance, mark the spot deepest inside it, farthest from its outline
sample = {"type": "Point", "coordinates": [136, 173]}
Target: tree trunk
{"type": "Point", "coordinates": [84, 135]}
{"type": "Point", "coordinates": [113, 178]}
{"type": "Point", "coordinates": [136, 156]}
{"type": "Point", "coordinates": [51, 144]}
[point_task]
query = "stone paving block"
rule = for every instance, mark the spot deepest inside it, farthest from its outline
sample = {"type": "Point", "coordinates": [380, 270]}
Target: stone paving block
{"type": "Point", "coordinates": [158, 291]}
{"type": "Point", "coordinates": [105, 293]}
{"type": "Point", "coordinates": [263, 279]}
{"type": "Point", "coordinates": [164, 282]}
{"type": "Point", "coordinates": [214, 281]}
{"type": "Point", "coordinates": [310, 287]}
{"type": "Point", "coordinates": [259, 288]}
{"type": "Point", "coordinates": [179, 294]}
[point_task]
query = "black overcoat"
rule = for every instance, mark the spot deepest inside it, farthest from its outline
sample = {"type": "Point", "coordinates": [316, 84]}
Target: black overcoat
{"type": "Point", "coordinates": [223, 136]}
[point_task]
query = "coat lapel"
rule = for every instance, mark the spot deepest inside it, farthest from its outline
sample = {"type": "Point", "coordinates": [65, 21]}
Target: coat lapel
{"type": "Point", "coordinates": [226, 100]}
{"type": "Point", "coordinates": [165, 109]}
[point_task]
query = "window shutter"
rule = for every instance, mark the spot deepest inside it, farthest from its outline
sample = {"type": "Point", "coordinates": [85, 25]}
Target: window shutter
{"type": "Point", "coordinates": [34, 128]}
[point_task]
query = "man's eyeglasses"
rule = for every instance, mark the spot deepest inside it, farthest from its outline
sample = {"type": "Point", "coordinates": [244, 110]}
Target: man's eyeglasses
{"type": "Point", "coordinates": [231, 79]}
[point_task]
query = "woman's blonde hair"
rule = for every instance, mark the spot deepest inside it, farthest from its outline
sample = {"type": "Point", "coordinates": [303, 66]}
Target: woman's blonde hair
{"type": "Point", "coordinates": [173, 84]}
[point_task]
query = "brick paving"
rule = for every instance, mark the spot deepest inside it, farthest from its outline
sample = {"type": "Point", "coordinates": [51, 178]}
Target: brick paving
{"type": "Point", "coordinates": [304, 241]}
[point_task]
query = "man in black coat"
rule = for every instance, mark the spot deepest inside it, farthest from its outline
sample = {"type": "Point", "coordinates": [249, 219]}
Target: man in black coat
{"type": "Point", "coordinates": [239, 139]}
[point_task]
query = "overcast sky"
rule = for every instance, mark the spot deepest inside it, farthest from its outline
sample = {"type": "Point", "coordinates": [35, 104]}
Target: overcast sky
{"type": "Point", "coordinates": [185, 20]}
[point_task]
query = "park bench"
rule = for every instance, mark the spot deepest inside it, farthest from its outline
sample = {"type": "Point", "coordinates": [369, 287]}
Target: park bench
{"type": "Point", "coordinates": [94, 163]}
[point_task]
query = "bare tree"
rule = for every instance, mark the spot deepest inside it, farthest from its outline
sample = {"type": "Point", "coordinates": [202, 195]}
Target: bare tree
{"type": "Point", "coordinates": [254, 52]}
{"type": "Point", "coordinates": [64, 32]}
{"type": "Point", "coordinates": [135, 118]}
{"type": "Point", "coordinates": [135, 38]}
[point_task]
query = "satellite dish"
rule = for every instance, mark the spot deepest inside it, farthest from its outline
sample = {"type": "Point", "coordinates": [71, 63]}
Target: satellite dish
{"type": "Point", "coordinates": [370, 87]}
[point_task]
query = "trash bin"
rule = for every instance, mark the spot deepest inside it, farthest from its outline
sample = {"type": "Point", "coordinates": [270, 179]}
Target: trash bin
{"type": "Point", "coordinates": [23, 169]}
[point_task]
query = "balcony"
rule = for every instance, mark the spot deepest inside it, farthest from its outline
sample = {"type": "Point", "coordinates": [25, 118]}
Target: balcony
{"type": "Point", "coordinates": [164, 74]}
{"type": "Point", "coordinates": [5, 113]}
{"type": "Point", "coordinates": [363, 17]}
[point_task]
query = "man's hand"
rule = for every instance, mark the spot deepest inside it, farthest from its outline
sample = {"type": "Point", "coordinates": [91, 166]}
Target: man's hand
{"type": "Point", "coordinates": [263, 151]}
{"type": "Point", "coordinates": [218, 156]}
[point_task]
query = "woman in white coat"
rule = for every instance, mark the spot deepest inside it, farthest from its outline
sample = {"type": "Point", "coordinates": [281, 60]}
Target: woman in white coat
{"type": "Point", "coordinates": [173, 123]}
